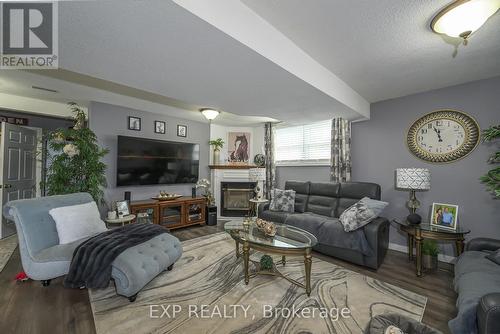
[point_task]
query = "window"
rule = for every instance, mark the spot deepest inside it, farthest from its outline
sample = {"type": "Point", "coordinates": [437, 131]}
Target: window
{"type": "Point", "coordinates": [305, 144]}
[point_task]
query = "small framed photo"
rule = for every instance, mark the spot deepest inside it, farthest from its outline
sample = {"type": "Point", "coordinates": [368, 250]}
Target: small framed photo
{"type": "Point", "coordinates": [122, 208]}
{"type": "Point", "coordinates": [134, 123]}
{"type": "Point", "coordinates": [444, 215]}
{"type": "Point", "coordinates": [182, 130]}
{"type": "Point", "coordinates": [160, 127]}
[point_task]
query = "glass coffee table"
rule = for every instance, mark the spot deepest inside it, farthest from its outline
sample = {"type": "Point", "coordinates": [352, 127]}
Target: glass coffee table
{"type": "Point", "coordinates": [416, 233]}
{"type": "Point", "coordinates": [288, 240]}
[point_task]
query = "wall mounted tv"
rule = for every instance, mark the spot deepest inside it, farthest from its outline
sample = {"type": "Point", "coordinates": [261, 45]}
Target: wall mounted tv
{"type": "Point", "coordinates": [147, 161]}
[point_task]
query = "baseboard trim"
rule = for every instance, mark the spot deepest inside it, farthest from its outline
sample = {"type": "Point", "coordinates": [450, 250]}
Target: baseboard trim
{"type": "Point", "coordinates": [404, 249]}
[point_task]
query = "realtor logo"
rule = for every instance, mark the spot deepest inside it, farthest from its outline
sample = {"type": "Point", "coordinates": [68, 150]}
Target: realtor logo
{"type": "Point", "coordinates": [29, 35]}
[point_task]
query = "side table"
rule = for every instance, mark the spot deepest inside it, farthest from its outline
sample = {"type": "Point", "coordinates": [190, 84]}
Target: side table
{"type": "Point", "coordinates": [256, 202]}
{"type": "Point", "coordinates": [416, 233]}
{"type": "Point", "coordinates": [122, 221]}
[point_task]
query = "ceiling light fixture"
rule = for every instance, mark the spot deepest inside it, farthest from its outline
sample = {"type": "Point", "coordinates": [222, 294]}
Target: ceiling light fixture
{"type": "Point", "coordinates": [462, 18]}
{"type": "Point", "coordinates": [210, 113]}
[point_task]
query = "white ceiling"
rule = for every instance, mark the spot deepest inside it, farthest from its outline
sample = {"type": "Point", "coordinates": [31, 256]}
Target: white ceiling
{"type": "Point", "coordinates": [384, 48]}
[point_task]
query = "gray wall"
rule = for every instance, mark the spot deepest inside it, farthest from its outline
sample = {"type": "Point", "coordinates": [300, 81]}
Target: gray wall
{"type": "Point", "coordinates": [109, 121]}
{"type": "Point", "coordinates": [378, 148]}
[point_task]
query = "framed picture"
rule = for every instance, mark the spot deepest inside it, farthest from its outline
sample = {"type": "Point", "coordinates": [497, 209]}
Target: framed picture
{"type": "Point", "coordinates": [134, 123]}
{"type": "Point", "coordinates": [182, 130]}
{"type": "Point", "coordinates": [238, 146]}
{"type": "Point", "coordinates": [444, 215]}
{"type": "Point", "coordinates": [160, 127]}
{"type": "Point", "coordinates": [122, 207]}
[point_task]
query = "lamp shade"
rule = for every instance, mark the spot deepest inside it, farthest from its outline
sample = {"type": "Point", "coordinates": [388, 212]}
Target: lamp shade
{"type": "Point", "coordinates": [257, 174]}
{"type": "Point", "coordinates": [413, 178]}
{"type": "Point", "coordinates": [210, 114]}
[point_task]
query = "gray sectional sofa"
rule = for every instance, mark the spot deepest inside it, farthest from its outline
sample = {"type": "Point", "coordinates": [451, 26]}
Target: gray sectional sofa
{"type": "Point", "coordinates": [477, 282]}
{"type": "Point", "coordinates": [317, 210]}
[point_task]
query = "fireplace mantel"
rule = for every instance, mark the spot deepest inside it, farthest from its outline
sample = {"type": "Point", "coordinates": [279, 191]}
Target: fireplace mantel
{"type": "Point", "coordinates": [235, 166]}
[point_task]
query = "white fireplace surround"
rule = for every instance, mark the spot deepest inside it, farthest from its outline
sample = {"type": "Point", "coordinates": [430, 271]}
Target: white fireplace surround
{"type": "Point", "coordinates": [226, 175]}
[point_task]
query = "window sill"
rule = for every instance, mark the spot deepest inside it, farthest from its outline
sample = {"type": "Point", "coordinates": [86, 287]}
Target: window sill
{"type": "Point", "coordinates": [303, 164]}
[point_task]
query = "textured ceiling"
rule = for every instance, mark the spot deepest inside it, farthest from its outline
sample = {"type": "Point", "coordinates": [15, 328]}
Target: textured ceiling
{"type": "Point", "coordinates": [384, 48]}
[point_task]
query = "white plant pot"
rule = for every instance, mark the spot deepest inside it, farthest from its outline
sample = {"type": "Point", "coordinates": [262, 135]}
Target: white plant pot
{"type": "Point", "coordinates": [216, 157]}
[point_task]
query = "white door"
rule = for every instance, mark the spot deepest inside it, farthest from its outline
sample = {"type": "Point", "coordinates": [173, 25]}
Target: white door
{"type": "Point", "coordinates": [17, 168]}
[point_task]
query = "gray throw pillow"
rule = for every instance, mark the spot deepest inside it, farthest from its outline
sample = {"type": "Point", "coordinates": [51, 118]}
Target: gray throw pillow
{"type": "Point", "coordinates": [361, 213]}
{"type": "Point", "coordinates": [282, 200]}
{"type": "Point", "coordinates": [495, 256]}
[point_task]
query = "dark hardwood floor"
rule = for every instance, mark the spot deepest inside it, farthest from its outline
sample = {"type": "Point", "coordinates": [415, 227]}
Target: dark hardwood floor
{"type": "Point", "coordinates": [30, 308]}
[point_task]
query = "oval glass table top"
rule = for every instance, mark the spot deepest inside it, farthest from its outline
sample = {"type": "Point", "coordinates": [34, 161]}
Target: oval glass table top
{"type": "Point", "coordinates": [287, 237]}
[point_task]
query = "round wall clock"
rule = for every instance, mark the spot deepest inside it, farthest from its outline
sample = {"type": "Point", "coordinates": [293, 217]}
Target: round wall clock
{"type": "Point", "coordinates": [443, 136]}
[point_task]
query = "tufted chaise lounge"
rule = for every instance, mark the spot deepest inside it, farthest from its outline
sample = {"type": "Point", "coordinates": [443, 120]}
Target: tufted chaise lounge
{"type": "Point", "coordinates": [43, 258]}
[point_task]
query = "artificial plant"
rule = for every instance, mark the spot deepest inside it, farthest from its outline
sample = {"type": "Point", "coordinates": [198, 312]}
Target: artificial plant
{"type": "Point", "coordinates": [74, 160]}
{"type": "Point", "coordinates": [492, 178]}
{"type": "Point", "coordinates": [216, 143]}
{"type": "Point", "coordinates": [430, 247]}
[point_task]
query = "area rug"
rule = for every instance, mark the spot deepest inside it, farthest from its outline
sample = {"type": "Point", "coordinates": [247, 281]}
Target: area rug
{"type": "Point", "coordinates": [7, 247]}
{"type": "Point", "coordinates": [205, 293]}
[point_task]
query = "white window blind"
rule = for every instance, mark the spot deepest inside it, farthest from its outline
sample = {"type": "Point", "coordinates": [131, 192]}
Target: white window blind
{"type": "Point", "coordinates": [305, 144]}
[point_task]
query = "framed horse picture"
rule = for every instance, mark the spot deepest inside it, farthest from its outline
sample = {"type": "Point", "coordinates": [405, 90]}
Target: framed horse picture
{"type": "Point", "coordinates": [238, 146]}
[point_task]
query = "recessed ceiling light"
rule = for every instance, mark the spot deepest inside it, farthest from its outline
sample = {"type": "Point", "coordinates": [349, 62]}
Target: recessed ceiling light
{"type": "Point", "coordinates": [210, 113]}
{"type": "Point", "coordinates": [461, 18]}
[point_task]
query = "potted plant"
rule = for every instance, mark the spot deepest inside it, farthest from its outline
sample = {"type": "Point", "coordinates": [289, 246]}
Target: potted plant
{"type": "Point", "coordinates": [492, 178]}
{"type": "Point", "coordinates": [430, 253]}
{"type": "Point", "coordinates": [217, 144]}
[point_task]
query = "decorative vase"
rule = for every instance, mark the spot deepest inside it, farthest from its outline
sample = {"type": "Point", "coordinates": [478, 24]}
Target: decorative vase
{"type": "Point", "coordinates": [429, 262]}
{"type": "Point", "coordinates": [216, 157]}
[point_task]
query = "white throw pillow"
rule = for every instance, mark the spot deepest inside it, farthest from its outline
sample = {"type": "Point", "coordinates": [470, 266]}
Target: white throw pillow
{"type": "Point", "coordinates": [77, 221]}
{"type": "Point", "coordinates": [361, 213]}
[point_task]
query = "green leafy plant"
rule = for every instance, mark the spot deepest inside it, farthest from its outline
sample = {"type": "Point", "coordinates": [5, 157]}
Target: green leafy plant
{"type": "Point", "coordinates": [430, 247]}
{"type": "Point", "coordinates": [74, 160]}
{"type": "Point", "coordinates": [492, 178]}
{"type": "Point", "coordinates": [266, 262]}
{"type": "Point", "coordinates": [216, 143]}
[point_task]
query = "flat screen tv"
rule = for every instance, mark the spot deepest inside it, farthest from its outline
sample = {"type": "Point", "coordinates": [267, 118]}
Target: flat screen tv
{"type": "Point", "coordinates": [147, 161]}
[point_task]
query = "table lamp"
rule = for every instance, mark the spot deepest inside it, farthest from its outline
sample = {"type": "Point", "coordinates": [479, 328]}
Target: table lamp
{"type": "Point", "coordinates": [413, 179]}
{"type": "Point", "coordinates": [258, 175]}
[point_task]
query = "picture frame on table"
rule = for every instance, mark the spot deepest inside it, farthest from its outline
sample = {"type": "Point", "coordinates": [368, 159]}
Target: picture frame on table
{"type": "Point", "coordinates": [160, 127]}
{"type": "Point", "coordinates": [444, 216]}
{"type": "Point", "coordinates": [123, 208]}
{"type": "Point", "coordinates": [134, 123]}
{"type": "Point", "coordinates": [182, 130]}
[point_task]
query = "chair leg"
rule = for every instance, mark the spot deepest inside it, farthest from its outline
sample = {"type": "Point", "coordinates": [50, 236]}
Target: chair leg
{"type": "Point", "coordinates": [132, 298]}
{"type": "Point", "coordinates": [170, 267]}
{"type": "Point", "coordinates": [46, 282]}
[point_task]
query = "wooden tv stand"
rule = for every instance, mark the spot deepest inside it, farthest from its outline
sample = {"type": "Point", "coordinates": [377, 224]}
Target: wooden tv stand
{"type": "Point", "coordinates": [181, 212]}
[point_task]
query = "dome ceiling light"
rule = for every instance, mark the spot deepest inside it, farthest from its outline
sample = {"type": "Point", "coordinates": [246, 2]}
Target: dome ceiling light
{"type": "Point", "coordinates": [462, 18]}
{"type": "Point", "coordinates": [209, 113]}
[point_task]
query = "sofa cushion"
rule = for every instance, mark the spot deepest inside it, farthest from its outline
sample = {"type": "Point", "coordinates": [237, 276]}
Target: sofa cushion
{"type": "Point", "coordinates": [495, 257]}
{"type": "Point", "coordinates": [301, 193]}
{"type": "Point", "coordinates": [282, 200]}
{"type": "Point", "coordinates": [351, 192]}
{"type": "Point", "coordinates": [475, 261]}
{"type": "Point", "coordinates": [274, 216]}
{"type": "Point", "coordinates": [77, 221]}
{"type": "Point", "coordinates": [63, 252]}
{"type": "Point", "coordinates": [323, 198]}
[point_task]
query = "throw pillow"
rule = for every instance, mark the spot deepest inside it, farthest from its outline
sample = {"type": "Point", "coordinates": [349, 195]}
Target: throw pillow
{"type": "Point", "coordinates": [495, 256]}
{"type": "Point", "coordinates": [282, 200]}
{"type": "Point", "coordinates": [77, 221]}
{"type": "Point", "coordinates": [361, 213]}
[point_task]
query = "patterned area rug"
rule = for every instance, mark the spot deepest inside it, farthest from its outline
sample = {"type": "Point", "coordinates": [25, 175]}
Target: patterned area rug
{"type": "Point", "coordinates": [207, 289]}
{"type": "Point", "coordinates": [7, 247]}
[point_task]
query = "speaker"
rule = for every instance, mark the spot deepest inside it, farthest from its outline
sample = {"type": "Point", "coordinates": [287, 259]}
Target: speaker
{"type": "Point", "coordinates": [193, 192]}
{"type": "Point", "coordinates": [128, 196]}
{"type": "Point", "coordinates": [211, 216]}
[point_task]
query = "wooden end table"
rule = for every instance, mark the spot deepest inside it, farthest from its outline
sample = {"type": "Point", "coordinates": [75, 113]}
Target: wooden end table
{"type": "Point", "coordinates": [417, 233]}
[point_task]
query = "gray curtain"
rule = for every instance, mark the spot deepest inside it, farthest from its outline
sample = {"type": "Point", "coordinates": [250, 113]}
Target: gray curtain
{"type": "Point", "coordinates": [340, 164]}
{"type": "Point", "coordinates": [269, 153]}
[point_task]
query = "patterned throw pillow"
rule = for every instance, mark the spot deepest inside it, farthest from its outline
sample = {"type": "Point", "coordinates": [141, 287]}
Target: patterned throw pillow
{"type": "Point", "coordinates": [361, 213]}
{"type": "Point", "coordinates": [282, 200]}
